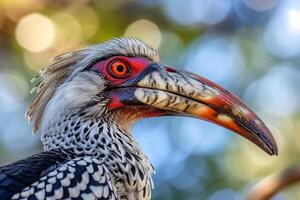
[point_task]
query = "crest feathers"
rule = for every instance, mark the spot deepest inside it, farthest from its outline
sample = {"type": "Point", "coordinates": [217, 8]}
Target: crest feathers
{"type": "Point", "coordinates": [48, 80]}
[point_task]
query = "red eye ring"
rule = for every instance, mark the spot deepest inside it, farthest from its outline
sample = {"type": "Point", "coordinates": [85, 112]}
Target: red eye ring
{"type": "Point", "coordinates": [119, 69]}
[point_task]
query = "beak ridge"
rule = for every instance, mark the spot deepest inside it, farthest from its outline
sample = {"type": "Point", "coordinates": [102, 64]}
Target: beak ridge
{"type": "Point", "coordinates": [184, 93]}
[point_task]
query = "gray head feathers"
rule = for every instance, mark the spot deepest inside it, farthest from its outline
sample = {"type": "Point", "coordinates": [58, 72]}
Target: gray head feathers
{"type": "Point", "coordinates": [67, 65]}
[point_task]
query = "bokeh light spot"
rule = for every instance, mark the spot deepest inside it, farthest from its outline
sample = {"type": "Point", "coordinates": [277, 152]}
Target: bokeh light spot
{"type": "Point", "coordinates": [35, 32]}
{"type": "Point", "coordinates": [146, 31]}
{"type": "Point", "coordinates": [69, 30]}
{"type": "Point", "coordinates": [192, 12]}
{"type": "Point", "coordinates": [294, 19]}
{"type": "Point", "coordinates": [260, 5]}
{"type": "Point", "coordinates": [88, 20]}
{"type": "Point", "coordinates": [277, 92]}
{"type": "Point", "coordinates": [36, 61]}
{"type": "Point", "coordinates": [215, 58]}
{"type": "Point", "coordinates": [282, 36]}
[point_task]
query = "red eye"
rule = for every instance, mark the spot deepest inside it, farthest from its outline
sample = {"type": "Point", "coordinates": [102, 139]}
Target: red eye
{"type": "Point", "coordinates": [119, 69]}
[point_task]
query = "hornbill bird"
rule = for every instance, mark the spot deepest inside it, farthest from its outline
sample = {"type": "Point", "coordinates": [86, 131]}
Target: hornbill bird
{"type": "Point", "coordinates": [85, 104]}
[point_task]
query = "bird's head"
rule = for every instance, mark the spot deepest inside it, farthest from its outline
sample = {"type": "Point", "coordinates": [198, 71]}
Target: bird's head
{"type": "Point", "coordinates": [124, 78]}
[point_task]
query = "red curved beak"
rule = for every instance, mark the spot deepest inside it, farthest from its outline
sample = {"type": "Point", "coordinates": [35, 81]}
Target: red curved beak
{"type": "Point", "coordinates": [174, 92]}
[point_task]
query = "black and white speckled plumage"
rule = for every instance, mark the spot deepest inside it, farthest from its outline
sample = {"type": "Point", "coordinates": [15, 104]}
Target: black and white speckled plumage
{"type": "Point", "coordinates": [18, 175]}
{"type": "Point", "coordinates": [87, 154]}
{"type": "Point", "coordinates": [80, 178]}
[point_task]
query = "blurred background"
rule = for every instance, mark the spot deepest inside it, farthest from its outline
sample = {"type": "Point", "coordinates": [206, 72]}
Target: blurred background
{"type": "Point", "coordinates": [251, 47]}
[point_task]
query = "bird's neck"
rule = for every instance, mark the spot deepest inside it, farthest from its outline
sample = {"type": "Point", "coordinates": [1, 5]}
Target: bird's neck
{"type": "Point", "coordinates": [105, 140]}
{"type": "Point", "coordinates": [85, 134]}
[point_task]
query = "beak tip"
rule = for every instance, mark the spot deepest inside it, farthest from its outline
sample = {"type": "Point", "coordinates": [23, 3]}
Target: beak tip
{"type": "Point", "coordinates": [273, 146]}
{"type": "Point", "coordinates": [272, 149]}
{"type": "Point", "coordinates": [275, 151]}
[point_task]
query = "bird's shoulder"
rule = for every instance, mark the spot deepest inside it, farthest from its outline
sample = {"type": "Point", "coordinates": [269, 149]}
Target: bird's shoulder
{"type": "Point", "coordinates": [58, 175]}
{"type": "Point", "coordinates": [80, 178]}
{"type": "Point", "coordinates": [16, 176]}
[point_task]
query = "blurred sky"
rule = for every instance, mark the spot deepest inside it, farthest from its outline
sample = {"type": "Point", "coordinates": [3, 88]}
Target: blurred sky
{"type": "Point", "coordinates": [251, 47]}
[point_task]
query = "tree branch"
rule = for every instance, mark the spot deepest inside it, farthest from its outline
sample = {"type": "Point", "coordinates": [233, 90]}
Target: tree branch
{"type": "Point", "coordinates": [270, 186]}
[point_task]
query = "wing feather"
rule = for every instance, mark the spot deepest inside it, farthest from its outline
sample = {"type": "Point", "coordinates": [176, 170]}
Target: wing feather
{"type": "Point", "coordinates": [16, 176]}
{"type": "Point", "coordinates": [80, 178]}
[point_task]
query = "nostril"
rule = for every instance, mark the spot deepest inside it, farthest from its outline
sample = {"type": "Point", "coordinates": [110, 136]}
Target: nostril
{"type": "Point", "coordinates": [170, 69]}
